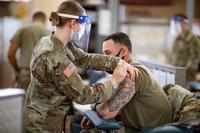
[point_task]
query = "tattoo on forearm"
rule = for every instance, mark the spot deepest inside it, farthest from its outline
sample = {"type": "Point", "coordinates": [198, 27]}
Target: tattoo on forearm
{"type": "Point", "coordinates": [122, 96]}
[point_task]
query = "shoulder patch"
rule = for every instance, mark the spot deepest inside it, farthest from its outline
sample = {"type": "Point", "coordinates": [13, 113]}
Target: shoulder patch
{"type": "Point", "coordinates": [69, 70]}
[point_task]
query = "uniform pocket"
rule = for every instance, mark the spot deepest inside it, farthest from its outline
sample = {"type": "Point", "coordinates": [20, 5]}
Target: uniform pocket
{"type": "Point", "coordinates": [34, 120]}
{"type": "Point", "coordinates": [54, 121]}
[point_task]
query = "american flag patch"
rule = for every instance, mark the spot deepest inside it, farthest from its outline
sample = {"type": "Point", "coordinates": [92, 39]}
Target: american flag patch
{"type": "Point", "coordinates": [69, 70]}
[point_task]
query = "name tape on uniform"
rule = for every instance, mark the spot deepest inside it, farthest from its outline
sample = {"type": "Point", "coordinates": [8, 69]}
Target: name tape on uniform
{"type": "Point", "coordinates": [69, 70]}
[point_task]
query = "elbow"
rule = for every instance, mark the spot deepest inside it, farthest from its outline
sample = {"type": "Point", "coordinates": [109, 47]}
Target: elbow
{"type": "Point", "coordinates": [107, 115]}
{"type": "Point", "coordinates": [11, 53]}
{"type": "Point", "coordinates": [10, 57]}
{"type": "Point", "coordinates": [81, 100]}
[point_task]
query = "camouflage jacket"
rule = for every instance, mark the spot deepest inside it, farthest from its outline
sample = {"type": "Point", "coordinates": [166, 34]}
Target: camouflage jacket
{"type": "Point", "coordinates": [184, 106]}
{"type": "Point", "coordinates": [186, 53]}
{"type": "Point", "coordinates": [55, 83]}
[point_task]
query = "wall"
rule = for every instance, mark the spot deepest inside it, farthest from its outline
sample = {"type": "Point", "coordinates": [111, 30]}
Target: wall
{"type": "Point", "coordinates": [177, 6]}
{"type": "Point", "coordinates": [45, 5]}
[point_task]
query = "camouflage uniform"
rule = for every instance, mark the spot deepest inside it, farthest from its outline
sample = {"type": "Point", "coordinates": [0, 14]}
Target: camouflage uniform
{"type": "Point", "coordinates": [186, 52]}
{"type": "Point", "coordinates": [184, 106]}
{"type": "Point", "coordinates": [26, 38]}
{"type": "Point", "coordinates": [55, 83]}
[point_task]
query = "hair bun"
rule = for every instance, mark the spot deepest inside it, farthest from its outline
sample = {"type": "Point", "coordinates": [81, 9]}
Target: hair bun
{"type": "Point", "coordinates": [55, 19]}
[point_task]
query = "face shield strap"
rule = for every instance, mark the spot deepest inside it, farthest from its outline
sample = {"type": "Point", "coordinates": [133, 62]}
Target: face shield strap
{"type": "Point", "coordinates": [180, 19]}
{"type": "Point", "coordinates": [82, 19]}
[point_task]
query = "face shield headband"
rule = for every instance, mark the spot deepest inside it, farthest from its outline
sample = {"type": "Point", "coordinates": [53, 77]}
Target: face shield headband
{"type": "Point", "coordinates": [82, 19]}
{"type": "Point", "coordinates": [178, 19]}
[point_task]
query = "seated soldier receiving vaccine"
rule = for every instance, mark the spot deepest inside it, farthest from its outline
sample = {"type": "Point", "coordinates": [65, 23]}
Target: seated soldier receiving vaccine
{"type": "Point", "coordinates": [142, 102]}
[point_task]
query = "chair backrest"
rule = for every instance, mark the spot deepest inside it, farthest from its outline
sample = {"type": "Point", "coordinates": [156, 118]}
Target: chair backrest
{"type": "Point", "coordinates": [166, 74]}
{"type": "Point", "coordinates": [101, 124]}
{"type": "Point", "coordinates": [11, 110]}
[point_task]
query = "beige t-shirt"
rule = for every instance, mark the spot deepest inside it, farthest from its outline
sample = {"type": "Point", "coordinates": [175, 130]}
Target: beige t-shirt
{"type": "Point", "coordinates": [149, 106]}
{"type": "Point", "coordinates": [26, 38]}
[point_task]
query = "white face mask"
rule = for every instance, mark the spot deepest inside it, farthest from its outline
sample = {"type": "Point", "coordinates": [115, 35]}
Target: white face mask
{"type": "Point", "coordinates": [81, 30]}
{"type": "Point", "coordinates": [81, 38]}
{"type": "Point", "coordinates": [75, 36]}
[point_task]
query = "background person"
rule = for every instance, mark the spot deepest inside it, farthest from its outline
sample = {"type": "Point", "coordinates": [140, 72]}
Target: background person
{"type": "Point", "coordinates": [186, 48]}
{"type": "Point", "coordinates": [25, 40]}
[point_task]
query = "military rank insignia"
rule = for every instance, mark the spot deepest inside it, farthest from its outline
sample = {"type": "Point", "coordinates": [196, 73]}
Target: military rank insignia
{"type": "Point", "coordinates": [69, 70]}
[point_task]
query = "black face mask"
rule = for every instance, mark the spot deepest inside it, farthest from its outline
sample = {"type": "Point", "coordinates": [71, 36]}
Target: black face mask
{"type": "Point", "coordinates": [117, 55]}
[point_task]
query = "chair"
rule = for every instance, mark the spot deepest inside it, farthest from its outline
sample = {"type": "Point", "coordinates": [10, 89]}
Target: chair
{"type": "Point", "coordinates": [106, 126]}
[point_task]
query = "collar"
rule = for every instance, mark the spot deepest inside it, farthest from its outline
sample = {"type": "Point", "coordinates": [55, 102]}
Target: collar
{"type": "Point", "coordinates": [186, 36]}
{"type": "Point", "coordinates": [57, 43]}
{"type": "Point", "coordinates": [59, 46]}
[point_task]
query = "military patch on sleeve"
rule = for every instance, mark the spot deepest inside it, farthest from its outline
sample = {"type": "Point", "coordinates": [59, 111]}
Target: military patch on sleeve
{"type": "Point", "coordinates": [69, 70]}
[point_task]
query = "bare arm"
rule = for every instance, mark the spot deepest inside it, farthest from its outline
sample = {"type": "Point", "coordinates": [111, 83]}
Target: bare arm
{"type": "Point", "coordinates": [112, 107]}
{"type": "Point", "coordinates": [11, 56]}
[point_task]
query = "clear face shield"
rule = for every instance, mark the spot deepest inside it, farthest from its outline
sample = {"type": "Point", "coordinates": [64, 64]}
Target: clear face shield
{"type": "Point", "coordinates": [80, 38]}
{"type": "Point", "coordinates": [175, 25]}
